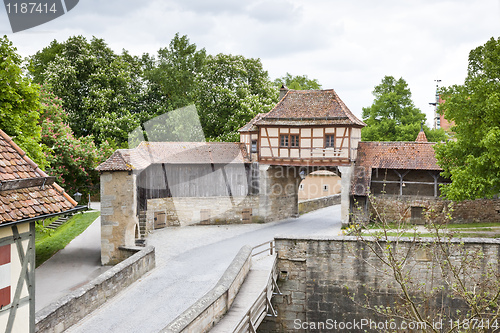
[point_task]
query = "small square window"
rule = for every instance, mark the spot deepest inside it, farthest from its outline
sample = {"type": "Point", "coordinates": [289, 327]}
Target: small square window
{"type": "Point", "coordinates": [294, 140]}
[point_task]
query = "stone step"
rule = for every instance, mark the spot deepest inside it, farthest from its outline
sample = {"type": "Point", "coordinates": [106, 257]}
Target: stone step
{"type": "Point", "coordinates": [59, 222]}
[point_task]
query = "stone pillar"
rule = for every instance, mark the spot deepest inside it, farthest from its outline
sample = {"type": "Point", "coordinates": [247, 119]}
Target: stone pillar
{"type": "Point", "coordinates": [278, 198]}
{"type": "Point", "coordinates": [345, 180]}
{"type": "Point", "coordinates": [118, 214]}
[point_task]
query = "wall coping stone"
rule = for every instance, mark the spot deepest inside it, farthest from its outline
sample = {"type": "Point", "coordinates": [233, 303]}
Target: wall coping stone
{"type": "Point", "coordinates": [67, 300]}
{"type": "Point", "coordinates": [468, 240]}
{"type": "Point", "coordinates": [320, 198]}
{"type": "Point", "coordinates": [200, 306]}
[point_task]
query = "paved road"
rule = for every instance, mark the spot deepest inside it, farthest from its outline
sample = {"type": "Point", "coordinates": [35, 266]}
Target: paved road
{"type": "Point", "coordinates": [190, 260]}
{"type": "Point", "coordinates": [70, 268]}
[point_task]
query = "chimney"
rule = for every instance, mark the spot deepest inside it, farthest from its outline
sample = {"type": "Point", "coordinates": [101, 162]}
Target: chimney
{"type": "Point", "coordinates": [283, 91]}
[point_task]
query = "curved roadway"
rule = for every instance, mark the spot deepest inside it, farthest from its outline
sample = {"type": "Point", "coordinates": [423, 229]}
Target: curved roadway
{"type": "Point", "coordinates": [189, 262]}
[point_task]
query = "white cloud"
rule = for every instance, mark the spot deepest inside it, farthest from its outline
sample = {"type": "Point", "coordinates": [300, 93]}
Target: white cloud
{"type": "Point", "coordinates": [348, 46]}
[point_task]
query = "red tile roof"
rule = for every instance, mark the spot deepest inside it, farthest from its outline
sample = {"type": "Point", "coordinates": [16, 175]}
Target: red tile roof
{"type": "Point", "coordinates": [30, 202]}
{"type": "Point", "coordinates": [397, 155]}
{"type": "Point", "coordinates": [250, 126]}
{"type": "Point", "coordinates": [311, 107]}
{"type": "Point", "coordinates": [175, 153]}
{"type": "Point", "coordinates": [421, 137]}
{"type": "Point", "coordinates": [390, 155]}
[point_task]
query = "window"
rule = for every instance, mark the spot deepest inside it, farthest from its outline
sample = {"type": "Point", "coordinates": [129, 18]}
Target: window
{"type": "Point", "coordinates": [284, 140]}
{"type": "Point", "coordinates": [325, 188]}
{"type": "Point", "coordinates": [330, 141]}
{"type": "Point", "coordinates": [254, 146]}
{"type": "Point", "coordinates": [301, 187]}
{"type": "Point", "coordinates": [287, 140]}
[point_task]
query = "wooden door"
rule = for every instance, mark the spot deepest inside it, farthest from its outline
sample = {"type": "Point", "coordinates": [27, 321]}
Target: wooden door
{"type": "Point", "coordinates": [160, 220]}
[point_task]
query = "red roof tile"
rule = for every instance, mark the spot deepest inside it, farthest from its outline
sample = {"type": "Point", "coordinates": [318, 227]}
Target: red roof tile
{"type": "Point", "coordinates": [421, 137]}
{"type": "Point", "coordinates": [311, 107]}
{"type": "Point", "coordinates": [250, 126]}
{"type": "Point", "coordinates": [148, 153]}
{"type": "Point", "coordinates": [397, 155]}
{"type": "Point", "coordinates": [390, 155]}
{"type": "Point", "coordinates": [22, 203]}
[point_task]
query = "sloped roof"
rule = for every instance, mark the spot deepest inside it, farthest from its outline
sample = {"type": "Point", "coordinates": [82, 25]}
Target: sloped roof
{"type": "Point", "coordinates": [250, 126]}
{"type": "Point", "coordinates": [18, 201]}
{"type": "Point", "coordinates": [421, 137]}
{"type": "Point", "coordinates": [148, 153]}
{"type": "Point", "coordinates": [310, 107]}
{"type": "Point", "coordinates": [390, 155]}
{"type": "Point", "coordinates": [397, 155]}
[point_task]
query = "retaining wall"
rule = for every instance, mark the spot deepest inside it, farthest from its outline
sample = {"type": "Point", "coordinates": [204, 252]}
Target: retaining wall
{"type": "Point", "coordinates": [399, 208]}
{"type": "Point", "coordinates": [332, 279]}
{"type": "Point", "coordinates": [209, 309]}
{"type": "Point", "coordinates": [307, 206]}
{"type": "Point", "coordinates": [70, 309]}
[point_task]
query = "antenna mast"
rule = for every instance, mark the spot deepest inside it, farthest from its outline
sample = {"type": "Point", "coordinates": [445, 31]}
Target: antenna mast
{"type": "Point", "coordinates": [437, 120]}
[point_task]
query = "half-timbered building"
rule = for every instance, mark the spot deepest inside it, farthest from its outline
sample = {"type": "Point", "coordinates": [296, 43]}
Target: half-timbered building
{"type": "Point", "coordinates": [27, 194]}
{"type": "Point", "coordinates": [403, 176]}
{"type": "Point", "coordinates": [306, 127]}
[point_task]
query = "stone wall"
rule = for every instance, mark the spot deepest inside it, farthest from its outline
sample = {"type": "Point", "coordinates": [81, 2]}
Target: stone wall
{"type": "Point", "coordinates": [398, 208]}
{"type": "Point", "coordinates": [118, 214]}
{"type": "Point", "coordinates": [307, 206]}
{"type": "Point", "coordinates": [318, 277]}
{"type": "Point", "coordinates": [278, 192]}
{"type": "Point", "coordinates": [204, 210]}
{"type": "Point", "coordinates": [208, 310]}
{"type": "Point", "coordinates": [70, 309]}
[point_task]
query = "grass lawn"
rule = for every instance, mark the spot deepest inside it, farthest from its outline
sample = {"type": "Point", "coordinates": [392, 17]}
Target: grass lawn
{"type": "Point", "coordinates": [48, 243]}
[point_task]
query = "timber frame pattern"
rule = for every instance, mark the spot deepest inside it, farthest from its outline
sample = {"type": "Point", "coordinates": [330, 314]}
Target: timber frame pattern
{"type": "Point", "coordinates": [26, 276]}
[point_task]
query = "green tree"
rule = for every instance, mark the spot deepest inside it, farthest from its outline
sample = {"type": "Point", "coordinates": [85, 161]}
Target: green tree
{"type": "Point", "coordinates": [472, 161]}
{"type": "Point", "coordinates": [72, 160]}
{"type": "Point", "coordinates": [101, 90]}
{"type": "Point", "coordinates": [299, 82]}
{"type": "Point", "coordinates": [19, 104]}
{"type": "Point", "coordinates": [393, 116]}
{"type": "Point", "coordinates": [171, 76]}
{"type": "Point", "coordinates": [231, 90]}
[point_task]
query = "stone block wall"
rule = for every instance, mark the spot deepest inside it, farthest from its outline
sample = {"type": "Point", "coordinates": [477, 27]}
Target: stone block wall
{"type": "Point", "coordinates": [219, 210]}
{"type": "Point", "coordinates": [208, 310]}
{"type": "Point", "coordinates": [279, 187]}
{"type": "Point", "coordinates": [70, 309]}
{"type": "Point", "coordinates": [397, 208]}
{"type": "Point", "coordinates": [319, 276]}
{"type": "Point", "coordinates": [307, 206]}
{"type": "Point", "coordinates": [118, 214]}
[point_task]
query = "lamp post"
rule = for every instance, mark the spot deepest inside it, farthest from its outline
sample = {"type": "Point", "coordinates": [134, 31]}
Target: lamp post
{"type": "Point", "coordinates": [78, 196]}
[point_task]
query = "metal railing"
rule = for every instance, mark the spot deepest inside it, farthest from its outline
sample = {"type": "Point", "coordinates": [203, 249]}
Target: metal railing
{"type": "Point", "coordinates": [262, 306]}
{"type": "Point", "coordinates": [270, 248]}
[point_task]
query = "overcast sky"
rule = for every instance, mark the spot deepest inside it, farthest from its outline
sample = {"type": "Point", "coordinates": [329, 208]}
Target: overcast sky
{"type": "Point", "coordinates": [347, 45]}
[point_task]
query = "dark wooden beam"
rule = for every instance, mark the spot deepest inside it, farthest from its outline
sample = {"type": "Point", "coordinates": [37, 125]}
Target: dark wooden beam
{"type": "Point", "coordinates": [17, 184]}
